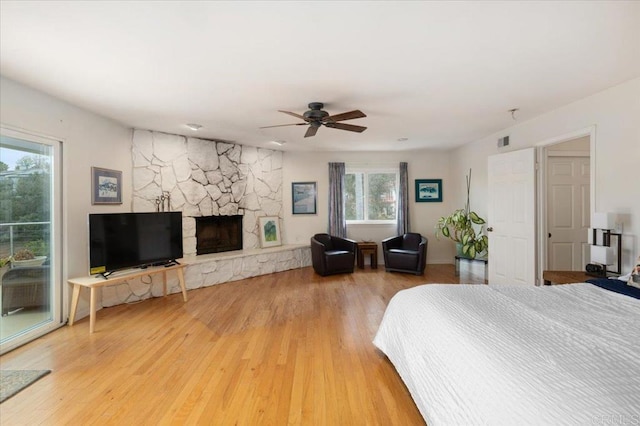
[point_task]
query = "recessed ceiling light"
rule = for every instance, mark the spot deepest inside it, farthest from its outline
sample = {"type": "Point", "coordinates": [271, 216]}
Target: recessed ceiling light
{"type": "Point", "coordinates": [402, 139]}
{"type": "Point", "coordinates": [194, 126]}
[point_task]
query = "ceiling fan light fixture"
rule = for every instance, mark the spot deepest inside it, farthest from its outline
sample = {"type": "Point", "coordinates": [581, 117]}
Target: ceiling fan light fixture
{"type": "Point", "coordinates": [316, 117]}
{"type": "Point", "coordinates": [194, 126]}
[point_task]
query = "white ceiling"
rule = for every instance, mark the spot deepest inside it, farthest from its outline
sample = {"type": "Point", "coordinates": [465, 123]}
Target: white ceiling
{"type": "Point", "coordinates": [438, 73]}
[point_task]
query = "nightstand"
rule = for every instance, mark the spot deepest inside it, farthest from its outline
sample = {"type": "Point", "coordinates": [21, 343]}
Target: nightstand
{"type": "Point", "coordinates": [367, 248]}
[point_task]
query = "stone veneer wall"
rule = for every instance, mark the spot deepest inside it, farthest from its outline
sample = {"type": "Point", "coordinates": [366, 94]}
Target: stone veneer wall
{"type": "Point", "coordinates": [208, 178]}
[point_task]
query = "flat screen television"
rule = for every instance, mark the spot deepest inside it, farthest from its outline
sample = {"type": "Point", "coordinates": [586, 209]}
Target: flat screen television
{"type": "Point", "coordinates": [127, 240]}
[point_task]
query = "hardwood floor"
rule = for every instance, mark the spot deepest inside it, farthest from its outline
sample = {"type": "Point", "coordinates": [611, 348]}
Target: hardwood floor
{"type": "Point", "coordinates": [285, 348]}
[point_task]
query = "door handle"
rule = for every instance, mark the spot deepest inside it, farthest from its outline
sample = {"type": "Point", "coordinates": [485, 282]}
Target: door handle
{"type": "Point", "coordinates": [549, 234]}
{"type": "Point", "coordinates": [490, 229]}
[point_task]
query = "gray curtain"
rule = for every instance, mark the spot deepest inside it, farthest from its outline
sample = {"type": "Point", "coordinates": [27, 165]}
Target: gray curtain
{"type": "Point", "coordinates": [403, 201]}
{"type": "Point", "coordinates": [337, 220]}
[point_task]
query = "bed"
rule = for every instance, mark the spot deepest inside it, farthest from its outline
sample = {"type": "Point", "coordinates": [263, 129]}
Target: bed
{"type": "Point", "coordinates": [507, 355]}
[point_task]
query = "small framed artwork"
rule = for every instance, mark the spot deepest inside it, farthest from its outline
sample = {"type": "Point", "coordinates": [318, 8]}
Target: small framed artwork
{"type": "Point", "coordinates": [303, 197]}
{"type": "Point", "coordinates": [106, 186]}
{"type": "Point", "coordinates": [428, 190]}
{"type": "Point", "coordinates": [269, 231]}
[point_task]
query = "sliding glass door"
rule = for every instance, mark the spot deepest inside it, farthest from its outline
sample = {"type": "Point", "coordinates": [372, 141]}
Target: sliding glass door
{"type": "Point", "coordinates": [30, 237]}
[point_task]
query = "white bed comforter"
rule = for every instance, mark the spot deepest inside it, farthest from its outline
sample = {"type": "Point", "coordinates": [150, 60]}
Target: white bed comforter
{"type": "Point", "coordinates": [503, 355]}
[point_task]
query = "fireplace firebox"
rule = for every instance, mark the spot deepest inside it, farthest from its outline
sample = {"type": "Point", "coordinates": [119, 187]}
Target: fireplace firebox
{"type": "Point", "coordinates": [215, 234]}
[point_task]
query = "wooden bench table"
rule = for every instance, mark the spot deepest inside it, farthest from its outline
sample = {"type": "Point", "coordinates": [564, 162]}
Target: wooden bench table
{"type": "Point", "coordinates": [94, 282]}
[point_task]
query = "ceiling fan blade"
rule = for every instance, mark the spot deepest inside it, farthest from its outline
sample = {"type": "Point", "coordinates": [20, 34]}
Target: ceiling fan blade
{"type": "Point", "coordinates": [294, 114]}
{"type": "Point", "coordinates": [346, 116]}
{"type": "Point", "coordinates": [349, 127]}
{"type": "Point", "coordinates": [311, 131]}
{"type": "Point", "coordinates": [283, 125]}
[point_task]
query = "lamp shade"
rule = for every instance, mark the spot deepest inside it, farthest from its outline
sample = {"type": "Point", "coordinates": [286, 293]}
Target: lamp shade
{"type": "Point", "coordinates": [603, 220]}
{"type": "Point", "coordinates": [602, 255]}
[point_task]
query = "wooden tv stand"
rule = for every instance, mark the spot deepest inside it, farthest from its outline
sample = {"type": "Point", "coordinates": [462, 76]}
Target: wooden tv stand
{"type": "Point", "coordinates": [94, 282]}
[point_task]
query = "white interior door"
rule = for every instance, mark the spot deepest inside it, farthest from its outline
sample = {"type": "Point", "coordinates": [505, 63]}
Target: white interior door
{"type": "Point", "coordinates": [511, 223]}
{"type": "Point", "coordinates": [568, 213]}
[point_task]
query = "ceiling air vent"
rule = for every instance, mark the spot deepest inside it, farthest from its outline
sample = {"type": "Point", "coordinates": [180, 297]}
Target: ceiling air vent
{"type": "Point", "coordinates": [503, 142]}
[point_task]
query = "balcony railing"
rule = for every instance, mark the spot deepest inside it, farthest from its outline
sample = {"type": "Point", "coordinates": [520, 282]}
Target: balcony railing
{"type": "Point", "coordinates": [19, 235]}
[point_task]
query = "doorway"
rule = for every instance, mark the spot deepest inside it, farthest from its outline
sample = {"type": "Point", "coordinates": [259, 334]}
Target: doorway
{"type": "Point", "coordinates": [568, 201]}
{"type": "Point", "coordinates": [524, 212]}
{"type": "Point", "coordinates": [566, 195]}
{"type": "Point", "coordinates": [30, 235]}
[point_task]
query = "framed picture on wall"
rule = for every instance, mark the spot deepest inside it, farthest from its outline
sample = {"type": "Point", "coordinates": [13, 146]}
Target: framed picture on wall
{"type": "Point", "coordinates": [269, 231]}
{"type": "Point", "coordinates": [106, 186]}
{"type": "Point", "coordinates": [428, 190]}
{"type": "Point", "coordinates": [303, 197]}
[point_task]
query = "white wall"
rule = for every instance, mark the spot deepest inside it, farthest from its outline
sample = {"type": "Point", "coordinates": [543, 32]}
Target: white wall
{"type": "Point", "coordinates": [615, 113]}
{"type": "Point", "coordinates": [87, 140]}
{"type": "Point", "coordinates": [313, 166]}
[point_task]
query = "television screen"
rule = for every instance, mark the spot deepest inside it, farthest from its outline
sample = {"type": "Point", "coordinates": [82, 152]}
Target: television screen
{"type": "Point", "coordinates": [126, 240]}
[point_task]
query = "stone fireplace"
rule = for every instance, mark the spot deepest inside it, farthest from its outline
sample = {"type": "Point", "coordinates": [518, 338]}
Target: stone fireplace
{"type": "Point", "coordinates": [206, 178]}
{"type": "Point", "coordinates": [215, 234]}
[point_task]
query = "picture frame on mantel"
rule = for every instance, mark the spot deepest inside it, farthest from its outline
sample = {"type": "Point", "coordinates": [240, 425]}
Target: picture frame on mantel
{"type": "Point", "coordinates": [303, 197]}
{"type": "Point", "coordinates": [428, 190]}
{"type": "Point", "coordinates": [106, 186]}
{"type": "Point", "coordinates": [269, 231]}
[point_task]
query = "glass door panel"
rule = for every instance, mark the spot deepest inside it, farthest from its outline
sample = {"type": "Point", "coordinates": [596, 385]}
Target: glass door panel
{"type": "Point", "coordinates": [29, 296]}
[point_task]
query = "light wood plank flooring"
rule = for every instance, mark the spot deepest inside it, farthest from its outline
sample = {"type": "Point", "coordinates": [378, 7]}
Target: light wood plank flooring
{"type": "Point", "coordinates": [286, 348]}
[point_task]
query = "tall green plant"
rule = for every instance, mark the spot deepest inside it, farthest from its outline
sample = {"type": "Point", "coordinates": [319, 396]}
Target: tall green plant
{"type": "Point", "coordinates": [459, 227]}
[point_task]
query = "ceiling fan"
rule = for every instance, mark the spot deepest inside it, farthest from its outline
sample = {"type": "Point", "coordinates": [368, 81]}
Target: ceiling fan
{"type": "Point", "coordinates": [316, 117]}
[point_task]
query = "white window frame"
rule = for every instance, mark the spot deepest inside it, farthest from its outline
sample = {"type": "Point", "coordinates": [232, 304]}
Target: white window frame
{"type": "Point", "coordinates": [373, 169]}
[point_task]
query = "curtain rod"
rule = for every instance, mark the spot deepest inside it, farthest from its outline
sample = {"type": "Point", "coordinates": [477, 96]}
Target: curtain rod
{"type": "Point", "coordinates": [349, 163]}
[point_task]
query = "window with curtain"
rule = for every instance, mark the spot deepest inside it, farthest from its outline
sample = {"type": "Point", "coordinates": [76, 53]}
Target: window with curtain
{"type": "Point", "coordinates": [371, 194]}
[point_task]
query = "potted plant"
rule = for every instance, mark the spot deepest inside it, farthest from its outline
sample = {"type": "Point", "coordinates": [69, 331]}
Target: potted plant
{"type": "Point", "coordinates": [466, 228]}
{"type": "Point", "coordinates": [25, 257]}
{"type": "Point", "coordinates": [5, 262]}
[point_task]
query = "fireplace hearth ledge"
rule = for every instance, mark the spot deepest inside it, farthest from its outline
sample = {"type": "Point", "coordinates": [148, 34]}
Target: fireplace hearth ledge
{"type": "Point", "coordinates": [217, 268]}
{"type": "Point", "coordinates": [214, 268]}
{"type": "Point", "coordinates": [234, 254]}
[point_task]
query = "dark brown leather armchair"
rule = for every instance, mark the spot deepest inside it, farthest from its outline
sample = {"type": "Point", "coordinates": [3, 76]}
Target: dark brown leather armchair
{"type": "Point", "coordinates": [332, 255]}
{"type": "Point", "coordinates": [405, 253]}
